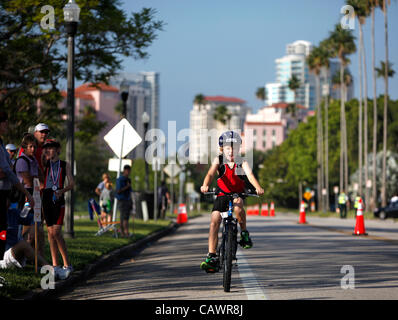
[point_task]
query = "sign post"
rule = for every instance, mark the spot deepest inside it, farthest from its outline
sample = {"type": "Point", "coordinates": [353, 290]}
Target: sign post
{"type": "Point", "coordinates": [172, 169]}
{"type": "Point", "coordinates": [155, 168]}
{"type": "Point", "coordinates": [36, 213]}
{"type": "Point", "coordinates": [115, 138]}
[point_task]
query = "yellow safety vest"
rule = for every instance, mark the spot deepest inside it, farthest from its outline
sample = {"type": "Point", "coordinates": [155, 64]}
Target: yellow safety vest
{"type": "Point", "coordinates": [342, 198]}
{"type": "Point", "coordinates": [356, 202]}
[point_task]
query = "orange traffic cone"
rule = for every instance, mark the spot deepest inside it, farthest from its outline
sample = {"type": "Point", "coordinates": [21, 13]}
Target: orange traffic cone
{"type": "Point", "coordinates": [250, 210]}
{"type": "Point", "coordinates": [182, 214]}
{"type": "Point", "coordinates": [360, 223]}
{"type": "Point", "coordinates": [272, 209]}
{"type": "Point", "coordinates": [302, 213]}
{"type": "Point", "coordinates": [264, 209]}
{"type": "Point", "coordinates": [256, 211]}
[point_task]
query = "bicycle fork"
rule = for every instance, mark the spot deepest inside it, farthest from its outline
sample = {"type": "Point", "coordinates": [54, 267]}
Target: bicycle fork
{"type": "Point", "coordinates": [234, 223]}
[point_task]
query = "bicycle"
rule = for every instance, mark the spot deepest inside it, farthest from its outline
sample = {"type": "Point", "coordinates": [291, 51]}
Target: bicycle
{"type": "Point", "coordinates": [229, 242]}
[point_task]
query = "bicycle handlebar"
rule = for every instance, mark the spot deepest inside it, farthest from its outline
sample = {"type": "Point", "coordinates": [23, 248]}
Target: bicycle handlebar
{"type": "Point", "coordinates": [232, 193]}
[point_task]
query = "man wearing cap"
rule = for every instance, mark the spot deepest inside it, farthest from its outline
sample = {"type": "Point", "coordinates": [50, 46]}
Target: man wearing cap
{"type": "Point", "coordinates": [12, 150]}
{"type": "Point", "coordinates": [41, 133]}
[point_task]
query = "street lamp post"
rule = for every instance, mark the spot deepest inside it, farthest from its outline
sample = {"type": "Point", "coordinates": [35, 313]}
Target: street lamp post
{"type": "Point", "coordinates": [124, 93]}
{"type": "Point", "coordinates": [145, 121]}
{"type": "Point", "coordinates": [71, 17]}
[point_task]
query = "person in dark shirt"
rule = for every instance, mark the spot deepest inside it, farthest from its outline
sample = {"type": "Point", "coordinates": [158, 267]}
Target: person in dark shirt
{"type": "Point", "coordinates": [123, 196]}
{"type": "Point", "coordinates": [164, 199]}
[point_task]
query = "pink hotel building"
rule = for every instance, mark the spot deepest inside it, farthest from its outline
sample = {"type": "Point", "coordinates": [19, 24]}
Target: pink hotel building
{"type": "Point", "coordinates": [269, 126]}
{"type": "Point", "coordinates": [103, 98]}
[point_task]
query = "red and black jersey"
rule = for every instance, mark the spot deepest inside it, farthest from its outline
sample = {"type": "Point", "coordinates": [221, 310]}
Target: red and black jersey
{"type": "Point", "coordinates": [62, 174]}
{"type": "Point", "coordinates": [228, 181]}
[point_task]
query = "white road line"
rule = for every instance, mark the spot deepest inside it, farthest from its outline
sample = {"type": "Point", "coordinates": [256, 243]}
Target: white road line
{"type": "Point", "coordinates": [254, 290]}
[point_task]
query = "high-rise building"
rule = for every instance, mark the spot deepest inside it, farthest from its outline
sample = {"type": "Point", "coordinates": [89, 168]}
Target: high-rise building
{"type": "Point", "coordinates": [143, 97]}
{"type": "Point", "coordinates": [294, 63]}
{"type": "Point", "coordinates": [203, 141]}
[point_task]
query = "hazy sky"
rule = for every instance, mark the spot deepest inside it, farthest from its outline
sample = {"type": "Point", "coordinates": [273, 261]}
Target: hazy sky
{"type": "Point", "coordinates": [229, 47]}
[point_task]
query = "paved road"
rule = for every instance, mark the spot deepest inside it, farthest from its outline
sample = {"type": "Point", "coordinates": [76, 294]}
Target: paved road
{"type": "Point", "coordinates": [288, 261]}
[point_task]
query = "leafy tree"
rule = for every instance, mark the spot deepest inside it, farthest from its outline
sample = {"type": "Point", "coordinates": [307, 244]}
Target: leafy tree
{"type": "Point", "coordinates": [342, 44]}
{"type": "Point", "coordinates": [222, 115]}
{"type": "Point", "coordinates": [294, 160]}
{"type": "Point", "coordinates": [293, 84]}
{"type": "Point", "coordinates": [33, 60]}
{"type": "Point", "coordinates": [384, 7]}
{"type": "Point", "coordinates": [88, 127]}
{"type": "Point", "coordinates": [200, 100]}
{"type": "Point", "coordinates": [261, 94]}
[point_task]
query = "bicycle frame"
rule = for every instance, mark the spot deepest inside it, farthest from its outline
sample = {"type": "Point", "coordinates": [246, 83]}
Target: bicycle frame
{"type": "Point", "coordinates": [229, 243]}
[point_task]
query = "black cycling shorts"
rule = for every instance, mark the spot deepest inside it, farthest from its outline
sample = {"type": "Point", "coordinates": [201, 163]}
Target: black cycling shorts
{"type": "Point", "coordinates": [221, 204]}
{"type": "Point", "coordinates": [53, 212]}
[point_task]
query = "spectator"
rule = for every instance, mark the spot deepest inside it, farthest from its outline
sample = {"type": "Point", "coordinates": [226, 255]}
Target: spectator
{"type": "Point", "coordinates": [106, 202]}
{"type": "Point", "coordinates": [101, 185]}
{"type": "Point", "coordinates": [41, 133]}
{"type": "Point", "coordinates": [163, 199]}
{"type": "Point", "coordinates": [27, 168]}
{"type": "Point", "coordinates": [17, 249]}
{"type": "Point", "coordinates": [12, 150]}
{"type": "Point", "coordinates": [123, 195]}
{"type": "Point", "coordinates": [343, 199]}
{"type": "Point", "coordinates": [56, 171]}
{"type": "Point", "coordinates": [7, 180]}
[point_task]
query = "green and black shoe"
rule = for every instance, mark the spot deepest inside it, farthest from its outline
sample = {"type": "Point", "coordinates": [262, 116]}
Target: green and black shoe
{"type": "Point", "coordinates": [245, 240]}
{"type": "Point", "coordinates": [211, 264]}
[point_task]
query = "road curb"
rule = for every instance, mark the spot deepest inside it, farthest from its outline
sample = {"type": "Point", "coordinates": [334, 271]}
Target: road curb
{"type": "Point", "coordinates": [92, 268]}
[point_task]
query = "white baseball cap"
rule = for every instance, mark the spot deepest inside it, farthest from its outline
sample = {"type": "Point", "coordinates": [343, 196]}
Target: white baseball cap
{"type": "Point", "coordinates": [11, 147]}
{"type": "Point", "coordinates": [41, 127]}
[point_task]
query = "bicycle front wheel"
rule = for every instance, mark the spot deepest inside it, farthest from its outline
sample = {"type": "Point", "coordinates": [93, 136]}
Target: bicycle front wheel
{"type": "Point", "coordinates": [228, 257]}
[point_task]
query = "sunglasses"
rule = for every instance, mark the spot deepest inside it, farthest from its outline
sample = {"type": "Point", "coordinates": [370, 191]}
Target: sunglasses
{"type": "Point", "coordinates": [45, 131]}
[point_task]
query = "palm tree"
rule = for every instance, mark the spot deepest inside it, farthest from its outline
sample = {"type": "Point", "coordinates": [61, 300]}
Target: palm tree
{"type": "Point", "coordinates": [293, 84]}
{"type": "Point", "coordinates": [342, 44]}
{"type": "Point", "coordinates": [315, 60]}
{"type": "Point", "coordinates": [382, 70]}
{"type": "Point", "coordinates": [325, 46]}
{"type": "Point", "coordinates": [261, 94]}
{"type": "Point", "coordinates": [362, 10]}
{"type": "Point", "coordinates": [385, 69]}
{"type": "Point", "coordinates": [384, 168]}
{"type": "Point", "coordinates": [374, 4]}
{"type": "Point", "coordinates": [199, 100]}
{"type": "Point", "coordinates": [222, 115]}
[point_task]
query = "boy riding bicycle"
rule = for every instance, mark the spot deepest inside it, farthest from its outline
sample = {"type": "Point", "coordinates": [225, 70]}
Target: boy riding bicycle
{"type": "Point", "coordinates": [228, 181]}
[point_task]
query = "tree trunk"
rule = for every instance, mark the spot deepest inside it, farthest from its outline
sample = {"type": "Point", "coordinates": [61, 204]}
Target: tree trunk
{"type": "Point", "coordinates": [374, 182]}
{"type": "Point", "coordinates": [326, 106]}
{"type": "Point", "coordinates": [341, 127]}
{"type": "Point", "coordinates": [345, 146]}
{"type": "Point", "coordinates": [319, 147]}
{"type": "Point", "coordinates": [384, 173]}
{"type": "Point", "coordinates": [360, 112]}
{"type": "Point", "coordinates": [365, 120]}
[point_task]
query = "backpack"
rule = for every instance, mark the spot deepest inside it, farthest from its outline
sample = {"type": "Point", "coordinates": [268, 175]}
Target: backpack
{"type": "Point", "coordinates": [15, 194]}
